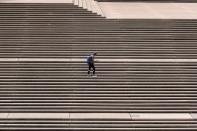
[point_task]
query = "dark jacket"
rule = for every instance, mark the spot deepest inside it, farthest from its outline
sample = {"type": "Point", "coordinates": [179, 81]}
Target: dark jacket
{"type": "Point", "coordinates": [90, 59]}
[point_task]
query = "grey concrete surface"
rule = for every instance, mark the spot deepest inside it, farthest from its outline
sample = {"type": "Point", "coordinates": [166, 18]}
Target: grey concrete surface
{"type": "Point", "coordinates": [100, 115]}
{"type": "Point", "coordinates": [36, 1]}
{"type": "Point", "coordinates": [138, 116]}
{"type": "Point", "coordinates": [99, 60]}
{"type": "Point", "coordinates": [194, 115]}
{"type": "Point", "coordinates": [125, 10]}
{"type": "Point", "coordinates": [134, 116]}
{"type": "Point", "coordinates": [3, 115]}
{"type": "Point", "coordinates": [38, 115]}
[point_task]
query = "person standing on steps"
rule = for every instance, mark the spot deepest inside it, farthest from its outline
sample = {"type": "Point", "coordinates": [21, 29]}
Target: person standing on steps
{"type": "Point", "coordinates": [90, 62]}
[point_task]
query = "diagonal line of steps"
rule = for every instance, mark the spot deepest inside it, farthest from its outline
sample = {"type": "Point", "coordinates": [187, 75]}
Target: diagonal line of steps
{"type": "Point", "coordinates": [90, 5]}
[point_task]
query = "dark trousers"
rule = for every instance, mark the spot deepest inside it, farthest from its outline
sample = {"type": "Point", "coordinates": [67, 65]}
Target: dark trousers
{"type": "Point", "coordinates": [91, 66]}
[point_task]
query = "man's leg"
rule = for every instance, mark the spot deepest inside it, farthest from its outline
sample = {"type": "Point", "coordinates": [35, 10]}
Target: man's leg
{"type": "Point", "coordinates": [94, 70]}
{"type": "Point", "coordinates": [89, 68]}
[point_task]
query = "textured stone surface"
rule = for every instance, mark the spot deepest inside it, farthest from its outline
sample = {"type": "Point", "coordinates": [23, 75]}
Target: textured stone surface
{"type": "Point", "coordinates": [149, 10]}
{"type": "Point", "coordinates": [38, 115]}
{"type": "Point", "coordinates": [3, 115]}
{"type": "Point", "coordinates": [194, 115]}
{"type": "Point", "coordinates": [99, 115]}
{"type": "Point", "coordinates": [161, 116]}
{"type": "Point", "coordinates": [36, 1]}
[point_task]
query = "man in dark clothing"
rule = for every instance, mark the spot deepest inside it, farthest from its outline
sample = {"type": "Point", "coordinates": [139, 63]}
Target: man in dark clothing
{"type": "Point", "coordinates": [90, 62]}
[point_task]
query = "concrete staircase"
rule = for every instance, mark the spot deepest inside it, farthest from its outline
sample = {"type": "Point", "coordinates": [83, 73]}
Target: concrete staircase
{"type": "Point", "coordinates": [96, 125]}
{"type": "Point", "coordinates": [90, 5]}
{"type": "Point", "coordinates": [120, 87]}
{"type": "Point", "coordinates": [37, 75]}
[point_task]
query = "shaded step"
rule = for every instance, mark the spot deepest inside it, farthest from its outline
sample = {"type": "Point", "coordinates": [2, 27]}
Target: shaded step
{"type": "Point", "coordinates": [97, 124]}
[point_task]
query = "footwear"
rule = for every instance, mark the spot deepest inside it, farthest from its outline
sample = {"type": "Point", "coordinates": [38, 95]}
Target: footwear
{"type": "Point", "coordinates": [94, 76]}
